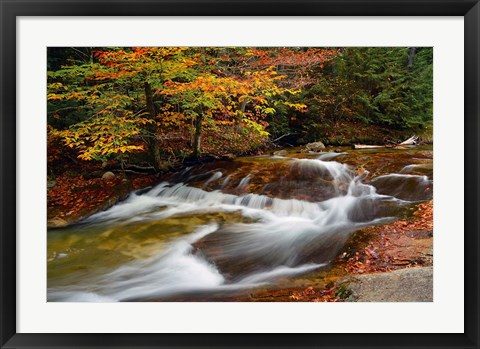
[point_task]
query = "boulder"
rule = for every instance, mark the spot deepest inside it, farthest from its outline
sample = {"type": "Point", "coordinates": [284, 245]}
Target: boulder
{"type": "Point", "coordinates": [108, 175]}
{"type": "Point", "coordinates": [403, 285]}
{"type": "Point", "coordinates": [282, 152]}
{"type": "Point", "coordinates": [315, 146]}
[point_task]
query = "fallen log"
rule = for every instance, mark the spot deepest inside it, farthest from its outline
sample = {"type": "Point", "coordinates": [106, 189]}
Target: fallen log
{"type": "Point", "coordinates": [411, 141]}
{"type": "Point", "coordinates": [365, 146]}
{"type": "Point", "coordinates": [283, 136]}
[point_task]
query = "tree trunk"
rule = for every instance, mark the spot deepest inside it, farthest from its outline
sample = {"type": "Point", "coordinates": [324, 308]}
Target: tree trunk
{"type": "Point", "coordinates": [411, 55]}
{"type": "Point", "coordinates": [152, 140]}
{"type": "Point", "coordinates": [243, 104]}
{"type": "Point", "coordinates": [198, 134]}
{"type": "Point", "coordinates": [240, 113]}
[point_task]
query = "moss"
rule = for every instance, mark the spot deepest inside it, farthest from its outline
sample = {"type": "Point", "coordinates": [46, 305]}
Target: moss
{"type": "Point", "coordinates": [342, 292]}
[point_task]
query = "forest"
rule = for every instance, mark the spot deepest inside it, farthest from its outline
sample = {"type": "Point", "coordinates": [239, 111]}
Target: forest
{"type": "Point", "coordinates": [157, 106]}
{"type": "Point", "coordinates": [244, 174]}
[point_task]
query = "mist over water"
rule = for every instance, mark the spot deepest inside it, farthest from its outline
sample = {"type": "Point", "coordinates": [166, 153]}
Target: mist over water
{"type": "Point", "coordinates": [224, 229]}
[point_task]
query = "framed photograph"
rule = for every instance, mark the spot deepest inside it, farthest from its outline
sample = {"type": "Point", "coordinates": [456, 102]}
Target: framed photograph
{"type": "Point", "coordinates": [225, 174]}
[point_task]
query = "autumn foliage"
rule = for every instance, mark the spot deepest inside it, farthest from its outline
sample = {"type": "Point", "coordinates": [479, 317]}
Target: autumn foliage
{"type": "Point", "coordinates": [74, 195]}
{"type": "Point", "coordinates": [402, 244]}
{"type": "Point", "coordinates": [129, 100]}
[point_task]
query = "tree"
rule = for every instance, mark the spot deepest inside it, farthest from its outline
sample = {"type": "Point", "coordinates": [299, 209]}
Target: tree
{"type": "Point", "coordinates": [108, 103]}
{"type": "Point", "coordinates": [296, 67]}
{"type": "Point", "coordinates": [388, 88]}
{"type": "Point", "coordinates": [116, 94]}
{"type": "Point", "coordinates": [382, 86]}
{"type": "Point", "coordinates": [240, 85]}
{"type": "Point", "coordinates": [210, 97]}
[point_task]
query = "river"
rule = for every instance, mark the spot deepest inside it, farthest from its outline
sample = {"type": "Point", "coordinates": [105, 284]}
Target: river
{"type": "Point", "coordinates": [229, 227]}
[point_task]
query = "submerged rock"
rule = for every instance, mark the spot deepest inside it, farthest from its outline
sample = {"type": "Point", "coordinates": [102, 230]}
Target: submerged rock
{"type": "Point", "coordinates": [238, 253]}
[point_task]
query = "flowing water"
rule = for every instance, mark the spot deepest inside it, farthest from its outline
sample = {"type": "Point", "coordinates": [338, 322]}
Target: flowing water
{"type": "Point", "coordinates": [231, 226]}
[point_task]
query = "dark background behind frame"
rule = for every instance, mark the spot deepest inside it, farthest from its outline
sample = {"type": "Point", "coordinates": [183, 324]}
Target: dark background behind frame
{"type": "Point", "coordinates": [10, 9]}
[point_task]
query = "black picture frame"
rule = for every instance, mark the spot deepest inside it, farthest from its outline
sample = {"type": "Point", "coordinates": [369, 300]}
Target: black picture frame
{"type": "Point", "coordinates": [9, 338]}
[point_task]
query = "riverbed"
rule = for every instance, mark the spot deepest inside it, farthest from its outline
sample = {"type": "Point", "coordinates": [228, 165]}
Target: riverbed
{"type": "Point", "coordinates": [222, 230]}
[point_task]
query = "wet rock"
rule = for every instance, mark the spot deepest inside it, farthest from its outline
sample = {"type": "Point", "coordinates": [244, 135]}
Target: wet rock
{"type": "Point", "coordinates": [108, 175]}
{"type": "Point", "coordinates": [282, 152]}
{"type": "Point", "coordinates": [403, 285]}
{"type": "Point", "coordinates": [228, 157]}
{"type": "Point", "coordinates": [223, 248]}
{"type": "Point", "coordinates": [404, 187]}
{"type": "Point", "coordinates": [56, 222]}
{"type": "Point", "coordinates": [315, 146]}
{"type": "Point", "coordinates": [419, 169]}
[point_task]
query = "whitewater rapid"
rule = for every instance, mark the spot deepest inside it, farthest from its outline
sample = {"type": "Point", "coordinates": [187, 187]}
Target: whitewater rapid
{"type": "Point", "coordinates": [277, 237]}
